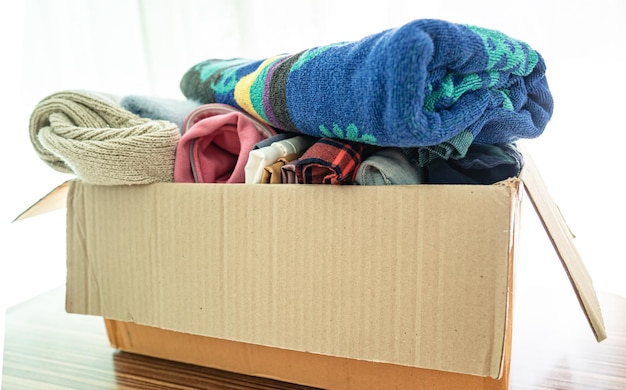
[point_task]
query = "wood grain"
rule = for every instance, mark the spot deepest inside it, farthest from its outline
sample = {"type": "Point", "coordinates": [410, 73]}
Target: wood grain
{"type": "Point", "coordinates": [48, 349]}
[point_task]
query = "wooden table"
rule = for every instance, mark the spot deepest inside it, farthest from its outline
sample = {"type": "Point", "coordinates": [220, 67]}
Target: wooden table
{"type": "Point", "coordinates": [46, 348]}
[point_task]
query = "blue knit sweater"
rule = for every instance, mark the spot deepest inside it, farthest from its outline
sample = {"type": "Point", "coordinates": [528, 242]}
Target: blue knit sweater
{"type": "Point", "coordinates": [416, 85]}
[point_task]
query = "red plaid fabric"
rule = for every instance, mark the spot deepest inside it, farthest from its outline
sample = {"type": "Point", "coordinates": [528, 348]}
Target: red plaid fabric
{"type": "Point", "coordinates": [329, 161]}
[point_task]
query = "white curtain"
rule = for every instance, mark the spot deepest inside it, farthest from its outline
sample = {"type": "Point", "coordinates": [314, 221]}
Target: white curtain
{"type": "Point", "coordinates": [144, 47]}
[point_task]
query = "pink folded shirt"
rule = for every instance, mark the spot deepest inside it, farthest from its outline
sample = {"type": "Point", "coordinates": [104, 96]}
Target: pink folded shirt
{"type": "Point", "coordinates": [215, 143]}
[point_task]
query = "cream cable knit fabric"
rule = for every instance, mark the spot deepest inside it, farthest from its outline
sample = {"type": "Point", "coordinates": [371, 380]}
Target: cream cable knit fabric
{"type": "Point", "coordinates": [89, 134]}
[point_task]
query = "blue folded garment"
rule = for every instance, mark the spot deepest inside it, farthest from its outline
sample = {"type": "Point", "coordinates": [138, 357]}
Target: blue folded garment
{"type": "Point", "coordinates": [419, 84]}
{"type": "Point", "coordinates": [159, 108]}
{"type": "Point", "coordinates": [483, 164]}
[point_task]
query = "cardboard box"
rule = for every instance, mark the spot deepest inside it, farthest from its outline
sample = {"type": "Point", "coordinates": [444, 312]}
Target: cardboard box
{"type": "Point", "coordinates": [349, 287]}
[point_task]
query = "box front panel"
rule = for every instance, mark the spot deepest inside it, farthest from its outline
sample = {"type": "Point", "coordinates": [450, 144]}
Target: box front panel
{"type": "Point", "coordinates": [409, 275]}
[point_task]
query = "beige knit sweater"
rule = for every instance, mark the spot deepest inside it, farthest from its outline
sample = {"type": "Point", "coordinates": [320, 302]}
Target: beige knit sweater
{"type": "Point", "coordinates": [89, 134]}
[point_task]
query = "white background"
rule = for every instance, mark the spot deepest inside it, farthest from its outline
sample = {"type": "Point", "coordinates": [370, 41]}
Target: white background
{"type": "Point", "coordinates": [144, 47]}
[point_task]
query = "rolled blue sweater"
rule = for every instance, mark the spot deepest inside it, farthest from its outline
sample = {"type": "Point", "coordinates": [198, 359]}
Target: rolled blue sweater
{"type": "Point", "coordinates": [419, 84]}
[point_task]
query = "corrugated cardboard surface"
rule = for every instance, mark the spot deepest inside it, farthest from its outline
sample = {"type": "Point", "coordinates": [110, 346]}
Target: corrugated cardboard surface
{"type": "Point", "coordinates": [53, 200]}
{"type": "Point", "coordinates": [408, 275]}
{"type": "Point", "coordinates": [563, 242]}
{"type": "Point", "coordinates": [304, 368]}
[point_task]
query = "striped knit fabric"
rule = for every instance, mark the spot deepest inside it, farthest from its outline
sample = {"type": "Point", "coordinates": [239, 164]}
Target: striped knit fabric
{"type": "Point", "coordinates": [416, 85]}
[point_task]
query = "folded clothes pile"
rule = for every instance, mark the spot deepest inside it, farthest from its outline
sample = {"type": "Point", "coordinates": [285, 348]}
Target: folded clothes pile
{"type": "Point", "coordinates": [428, 102]}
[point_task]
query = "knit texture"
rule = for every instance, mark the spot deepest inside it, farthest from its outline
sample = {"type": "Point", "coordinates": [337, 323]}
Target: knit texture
{"type": "Point", "coordinates": [90, 135]}
{"type": "Point", "coordinates": [420, 84]}
{"type": "Point", "coordinates": [454, 148]}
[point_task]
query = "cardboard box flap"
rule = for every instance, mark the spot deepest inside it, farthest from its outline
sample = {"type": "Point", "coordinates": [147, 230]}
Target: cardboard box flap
{"type": "Point", "coordinates": [562, 240]}
{"type": "Point", "coordinates": [53, 200]}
